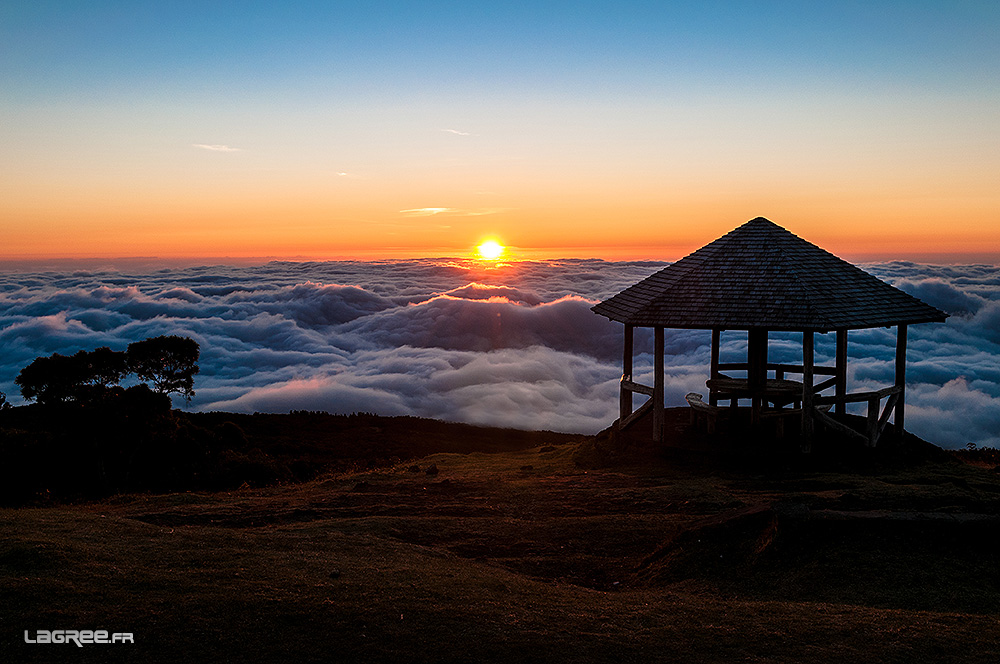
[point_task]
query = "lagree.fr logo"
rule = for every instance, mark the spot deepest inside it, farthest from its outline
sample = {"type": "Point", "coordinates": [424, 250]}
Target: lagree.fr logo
{"type": "Point", "coordinates": [79, 637]}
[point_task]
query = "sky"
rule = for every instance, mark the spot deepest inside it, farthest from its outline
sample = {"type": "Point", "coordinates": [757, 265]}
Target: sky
{"type": "Point", "coordinates": [408, 129]}
{"type": "Point", "coordinates": [510, 344]}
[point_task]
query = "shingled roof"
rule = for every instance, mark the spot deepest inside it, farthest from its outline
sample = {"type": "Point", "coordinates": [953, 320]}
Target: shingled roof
{"type": "Point", "coordinates": [762, 276]}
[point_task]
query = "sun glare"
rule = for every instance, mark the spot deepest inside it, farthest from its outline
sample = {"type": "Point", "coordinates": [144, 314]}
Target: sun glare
{"type": "Point", "coordinates": [490, 250]}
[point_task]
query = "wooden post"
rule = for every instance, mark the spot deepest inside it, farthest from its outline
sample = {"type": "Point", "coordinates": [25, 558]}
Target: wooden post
{"type": "Point", "coordinates": [625, 399]}
{"type": "Point", "coordinates": [900, 376]}
{"type": "Point", "coordinates": [658, 384]}
{"type": "Point", "coordinates": [756, 371]}
{"type": "Point", "coordinates": [713, 398]}
{"type": "Point", "coordinates": [871, 424]}
{"type": "Point", "coordinates": [807, 391]}
{"type": "Point", "coordinates": [841, 384]}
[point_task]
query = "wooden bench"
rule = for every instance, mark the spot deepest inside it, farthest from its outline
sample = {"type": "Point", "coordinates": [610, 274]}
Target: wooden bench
{"type": "Point", "coordinates": [781, 414]}
{"type": "Point", "coordinates": [703, 412]}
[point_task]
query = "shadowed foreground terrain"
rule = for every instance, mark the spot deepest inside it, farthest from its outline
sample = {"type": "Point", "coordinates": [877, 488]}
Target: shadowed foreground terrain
{"type": "Point", "coordinates": [526, 554]}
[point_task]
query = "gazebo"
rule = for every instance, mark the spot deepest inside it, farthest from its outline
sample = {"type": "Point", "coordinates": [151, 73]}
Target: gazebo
{"type": "Point", "coordinates": [761, 278]}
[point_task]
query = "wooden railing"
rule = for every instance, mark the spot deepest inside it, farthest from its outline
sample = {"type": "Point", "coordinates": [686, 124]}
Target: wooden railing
{"type": "Point", "coordinates": [875, 422]}
{"type": "Point", "coordinates": [628, 387]}
{"type": "Point", "coordinates": [877, 416]}
{"type": "Point", "coordinates": [638, 388]}
{"type": "Point", "coordinates": [633, 417]}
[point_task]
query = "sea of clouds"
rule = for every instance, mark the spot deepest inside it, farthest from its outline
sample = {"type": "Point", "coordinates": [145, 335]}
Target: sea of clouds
{"type": "Point", "coordinates": [509, 345]}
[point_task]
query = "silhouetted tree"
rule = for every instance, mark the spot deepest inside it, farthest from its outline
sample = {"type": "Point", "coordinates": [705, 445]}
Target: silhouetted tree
{"type": "Point", "coordinates": [168, 362]}
{"type": "Point", "coordinates": [102, 366]}
{"type": "Point", "coordinates": [91, 436]}
{"type": "Point", "coordinates": [50, 380]}
{"type": "Point", "coordinates": [83, 377]}
{"type": "Point", "coordinates": [4, 404]}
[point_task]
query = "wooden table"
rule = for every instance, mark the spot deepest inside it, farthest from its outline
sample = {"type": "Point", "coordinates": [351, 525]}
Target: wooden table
{"type": "Point", "coordinates": [776, 391]}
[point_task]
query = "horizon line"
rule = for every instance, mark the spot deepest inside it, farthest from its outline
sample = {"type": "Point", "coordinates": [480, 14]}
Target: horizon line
{"type": "Point", "coordinates": [658, 253]}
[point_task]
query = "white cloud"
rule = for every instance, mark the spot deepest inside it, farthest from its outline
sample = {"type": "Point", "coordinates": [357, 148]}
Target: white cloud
{"type": "Point", "coordinates": [216, 148]}
{"type": "Point", "coordinates": [457, 132]}
{"type": "Point", "coordinates": [425, 212]}
{"type": "Point", "coordinates": [454, 212]}
{"type": "Point", "coordinates": [516, 346]}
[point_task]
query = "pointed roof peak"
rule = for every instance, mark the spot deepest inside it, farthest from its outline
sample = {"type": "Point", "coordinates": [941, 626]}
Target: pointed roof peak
{"type": "Point", "coordinates": [762, 223]}
{"type": "Point", "coordinates": [760, 275]}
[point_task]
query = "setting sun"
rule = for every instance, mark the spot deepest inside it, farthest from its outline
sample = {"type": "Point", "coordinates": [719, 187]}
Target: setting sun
{"type": "Point", "coordinates": [490, 250]}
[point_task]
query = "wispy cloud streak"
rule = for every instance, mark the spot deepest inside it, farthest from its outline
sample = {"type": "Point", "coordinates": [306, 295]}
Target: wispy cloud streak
{"type": "Point", "coordinates": [425, 212]}
{"type": "Point", "coordinates": [216, 148]}
{"type": "Point", "coordinates": [453, 212]}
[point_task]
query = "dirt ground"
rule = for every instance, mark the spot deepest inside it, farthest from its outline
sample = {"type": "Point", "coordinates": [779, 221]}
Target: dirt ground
{"type": "Point", "coordinates": [537, 554]}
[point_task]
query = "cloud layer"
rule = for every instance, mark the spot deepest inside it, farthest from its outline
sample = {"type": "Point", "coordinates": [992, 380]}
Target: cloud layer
{"type": "Point", "coordinates": [515, 345]}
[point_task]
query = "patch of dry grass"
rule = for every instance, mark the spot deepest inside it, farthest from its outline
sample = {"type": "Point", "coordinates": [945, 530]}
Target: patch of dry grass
{"type": "Point", "coordinates": [516, 556]}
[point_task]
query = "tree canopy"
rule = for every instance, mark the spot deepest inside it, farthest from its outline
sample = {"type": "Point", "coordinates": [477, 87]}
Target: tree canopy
{"type": "Point", "coordinates": [167, 363]}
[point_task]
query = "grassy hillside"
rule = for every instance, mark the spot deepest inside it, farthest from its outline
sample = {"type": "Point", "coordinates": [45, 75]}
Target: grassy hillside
{"type": "Point", "coordinates": [511, 550]}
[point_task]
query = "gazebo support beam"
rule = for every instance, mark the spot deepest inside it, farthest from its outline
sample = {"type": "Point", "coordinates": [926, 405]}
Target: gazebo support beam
{"type": "Point", "coordinates": [658, 415]}
{"type": "Point", "coordinates": [625, 399]}
{"type": "Point", "coordinates": [841, 367]}
{"type": "Point", "coordinates": [900, 377]}
{"type": "Point", "coordinates": [807, 391]}
{"type": "Point", "coordinates": [713, 398]}
{"type": "Point", "coordinates": [756, 371]}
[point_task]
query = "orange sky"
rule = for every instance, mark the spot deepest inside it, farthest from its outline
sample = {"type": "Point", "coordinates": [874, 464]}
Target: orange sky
{"type": "Point", "coordinates": [619, 132]}
{"type": "Point", "coordinates": [569, 223]}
